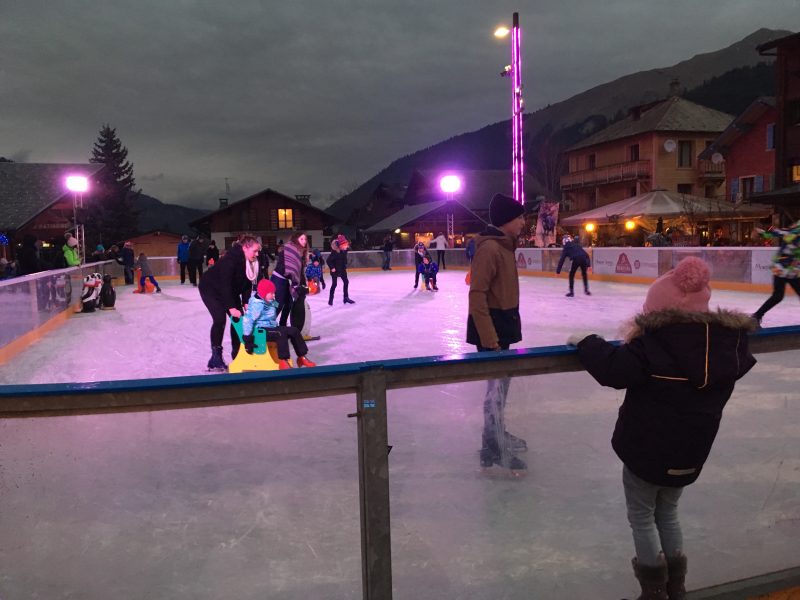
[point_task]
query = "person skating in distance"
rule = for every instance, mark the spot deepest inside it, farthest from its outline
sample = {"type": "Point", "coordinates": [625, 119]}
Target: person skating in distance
{"type": "Point", "coordinates": [580, 260]}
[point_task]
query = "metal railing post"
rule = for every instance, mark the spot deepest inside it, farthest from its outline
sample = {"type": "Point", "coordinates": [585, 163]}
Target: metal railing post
{"type": "Point", "coordinates": [373, 486]}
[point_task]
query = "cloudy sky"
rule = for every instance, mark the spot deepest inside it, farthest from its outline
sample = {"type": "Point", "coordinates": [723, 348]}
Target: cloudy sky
{"type": "Point", "coordinates": [314, 96]}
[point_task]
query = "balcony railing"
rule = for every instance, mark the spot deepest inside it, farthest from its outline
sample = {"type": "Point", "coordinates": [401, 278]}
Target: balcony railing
{"type": "Point", "coordinates": [628, 171]}
{"type": "Point", "coordinates": [708, 170]}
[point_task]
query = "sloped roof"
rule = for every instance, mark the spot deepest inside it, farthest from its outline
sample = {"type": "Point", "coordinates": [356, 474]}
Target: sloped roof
{"type": "Point", "coordinates": [661, 203]}
{"type": "Point", "coordinates": [268, 191]}
{"type": "Point", "coordinates": [784, 41]}
{"type": "Point", "coordinates": [672, 114]}
{"type": "Point", "coordinates": [477, 186]}
{"type": "Point", "coordinates": [27, 189]}
{"type": "Point", "coordinates": [738, 126]}
{"type": "Point", "coordinates": [408, 214]}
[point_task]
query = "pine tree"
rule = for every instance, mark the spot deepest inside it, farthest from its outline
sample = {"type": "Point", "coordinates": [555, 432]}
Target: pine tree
{"type": "Point", "coordinates": [111, 217]}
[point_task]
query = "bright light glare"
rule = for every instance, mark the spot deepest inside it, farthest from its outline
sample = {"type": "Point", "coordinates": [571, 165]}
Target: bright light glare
{"type": "Point", "coordinates": [501, 32]}
{"type": "Point", "coordinates": [450, 184]}
{"type": "Point", "coordinates": [397, 230]}
{"type": "Point", "coordinates": [77, 183]}
{"type": "Point", "coordinates": [630, 225]}
{"type": "Point", "coordinates": [589, 227]}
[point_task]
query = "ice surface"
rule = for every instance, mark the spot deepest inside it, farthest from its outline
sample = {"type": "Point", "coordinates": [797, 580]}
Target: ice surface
{"type": "Point", "coordinates": [165, 335]}
{"type": "Point", "coordinates": [261, 500]}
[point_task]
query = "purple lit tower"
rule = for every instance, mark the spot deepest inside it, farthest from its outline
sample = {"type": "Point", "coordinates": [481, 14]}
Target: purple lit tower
{"type": "Point", "coordinates": [517, 165]}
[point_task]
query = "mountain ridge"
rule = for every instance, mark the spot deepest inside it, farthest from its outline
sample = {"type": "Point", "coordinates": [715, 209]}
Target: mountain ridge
{"type": "Point", "coordinates": [573, 118]}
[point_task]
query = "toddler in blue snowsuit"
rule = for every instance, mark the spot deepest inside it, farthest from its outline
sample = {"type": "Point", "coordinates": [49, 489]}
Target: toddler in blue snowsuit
{"type": "Point", "coordinates": [428, 269]}
{"type": "Point", "coordinates": [262, 311]}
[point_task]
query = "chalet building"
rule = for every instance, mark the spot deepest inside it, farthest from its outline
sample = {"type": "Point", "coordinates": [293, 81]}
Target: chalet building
{"type": "Point", "coordinates": [268, 214]}
{"type": "Point", "coordinates": [655, 147]}
{"type": "Point", "coordinates": [423, 222]}
{"type": "Point", "coordinates": [785, 196]}
{"type": "Point", "coordinates": [747, 147]}
{"type": "Point", "coordinates": [34, 201]}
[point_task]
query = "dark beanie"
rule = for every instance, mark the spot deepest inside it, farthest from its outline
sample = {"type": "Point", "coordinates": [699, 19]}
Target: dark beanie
{"type": "Point", "coordinates": [503, 209]}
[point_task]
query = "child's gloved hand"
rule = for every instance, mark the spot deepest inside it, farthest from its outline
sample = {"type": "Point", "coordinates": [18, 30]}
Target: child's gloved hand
{"type": "Point", "coordinates": [577, 338]}
{"type": "Point", "coordinates": [249, 343]}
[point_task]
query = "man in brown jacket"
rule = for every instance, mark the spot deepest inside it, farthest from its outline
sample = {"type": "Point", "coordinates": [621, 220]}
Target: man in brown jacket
{"type": "Point", "coordinates": [494, 324]}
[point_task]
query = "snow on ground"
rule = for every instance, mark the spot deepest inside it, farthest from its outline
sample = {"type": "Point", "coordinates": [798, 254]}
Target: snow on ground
{"type": "Point", "coordinates": [166, 335]}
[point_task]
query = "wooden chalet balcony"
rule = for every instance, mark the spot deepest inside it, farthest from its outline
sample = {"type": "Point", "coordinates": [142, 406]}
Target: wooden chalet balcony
{"type": "Point", "coordinates": [710, 171]}
{"type": "Point", "coordinates": [627, 171]}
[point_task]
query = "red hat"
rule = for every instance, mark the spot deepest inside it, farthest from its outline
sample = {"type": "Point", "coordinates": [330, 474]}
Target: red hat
{"type": "Point", "coordinates": [341, 240]}
{"type": "Point", "coordinates": [265, 286]}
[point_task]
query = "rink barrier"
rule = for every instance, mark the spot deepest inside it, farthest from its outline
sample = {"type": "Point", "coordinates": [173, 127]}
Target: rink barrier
{"type": "Point", "coordinates": [370, 381]}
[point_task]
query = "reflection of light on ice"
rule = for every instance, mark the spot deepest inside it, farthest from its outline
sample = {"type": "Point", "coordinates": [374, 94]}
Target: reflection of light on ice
{"type": "Point", "coordinates": [168, 335]}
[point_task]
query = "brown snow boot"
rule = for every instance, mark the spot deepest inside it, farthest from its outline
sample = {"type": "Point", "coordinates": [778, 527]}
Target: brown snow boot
{"type": "Point", "coordinates": [676, 577]}
{"type": "Point", "coordinates": [652, 579]}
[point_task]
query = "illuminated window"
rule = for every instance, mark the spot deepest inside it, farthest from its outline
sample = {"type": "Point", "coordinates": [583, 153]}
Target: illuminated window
{"type": "Point", "coordinates": [795, 173]}
{"type": "Point", "coordinates": [285, 218]}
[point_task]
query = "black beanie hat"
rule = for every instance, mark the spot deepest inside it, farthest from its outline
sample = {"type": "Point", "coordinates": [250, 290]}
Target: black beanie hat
{"type": "Point", "coordinates": [503, 209]}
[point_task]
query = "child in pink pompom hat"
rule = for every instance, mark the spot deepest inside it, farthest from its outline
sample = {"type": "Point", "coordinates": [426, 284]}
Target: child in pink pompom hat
{"type": "Point", "coordinates": [678, 365]}
{"type": "Point", "coordinates": [686, 287]}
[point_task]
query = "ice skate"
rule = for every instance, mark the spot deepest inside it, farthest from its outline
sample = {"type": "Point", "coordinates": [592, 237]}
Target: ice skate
{"type": "Point", "coordinates": [216, 363]}
{"type": "Point", "coordinates": [587, 292]}
{"type": "Point", "coordinates": [570, 294]}
{"type": "Point", "coordinates": [502, 464]}
{"type": "Point", "coordinates": [515, 444]}
{"type": "Point", "coordinates": [284, 364]}
{"type": "Point", "coordinates": [348, 301]}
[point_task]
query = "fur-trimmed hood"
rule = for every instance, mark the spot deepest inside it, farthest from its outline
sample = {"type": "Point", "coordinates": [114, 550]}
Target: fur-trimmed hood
{"type": "Point", "coordinates": [704, 347]}
{"type": "Point", "coordinates": [723, 317]}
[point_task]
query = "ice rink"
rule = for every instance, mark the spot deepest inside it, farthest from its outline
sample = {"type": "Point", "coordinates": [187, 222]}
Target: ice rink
{"type": "Point", "coordinates": [261, 501]}
{"type": "Point", "coordinates": [165, 335]}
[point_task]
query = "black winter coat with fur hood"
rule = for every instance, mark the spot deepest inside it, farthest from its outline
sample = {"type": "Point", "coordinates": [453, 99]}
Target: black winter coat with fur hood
{"type": "Point", "coordinates": [679, 369]}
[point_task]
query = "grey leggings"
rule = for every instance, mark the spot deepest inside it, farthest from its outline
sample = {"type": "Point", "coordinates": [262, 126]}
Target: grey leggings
{"type": "Point", "coordinates": [653, 515]}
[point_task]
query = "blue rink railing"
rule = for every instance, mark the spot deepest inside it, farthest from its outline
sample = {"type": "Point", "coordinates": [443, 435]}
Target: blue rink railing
{"type": "Point", "coordinates": [370, 382]}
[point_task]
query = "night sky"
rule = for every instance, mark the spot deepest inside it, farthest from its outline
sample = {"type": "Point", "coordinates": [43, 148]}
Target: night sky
{"type": "Point", "coordinates": [315, 96]}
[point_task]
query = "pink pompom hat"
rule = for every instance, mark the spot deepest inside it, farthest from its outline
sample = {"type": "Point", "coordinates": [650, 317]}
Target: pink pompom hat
{"type": "Point", "coordinates": [686, 287]}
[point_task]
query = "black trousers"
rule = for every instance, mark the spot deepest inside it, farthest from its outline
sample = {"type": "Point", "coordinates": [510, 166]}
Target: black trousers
{"type": "Point", "coordinates": [219, 315]}
{"type": "Point", "coordinates": [195, 271]}
{"type": "Point", "coordinates": [572, 270]}
{"type": "Point", "coordinates": [440, 259]}
{"type": "Point", "coordinates": [282, 336]}
{"type": "Point", "coordinates": [283, 295]}
{"type": "Point", "coordinates": [297, 315]}
{"type": "Point", "coordinates": [334, 278]}
{"type": "Point", "coordinates": [778, 290]}
{"type": "Point", "coordinates": [183, 271]}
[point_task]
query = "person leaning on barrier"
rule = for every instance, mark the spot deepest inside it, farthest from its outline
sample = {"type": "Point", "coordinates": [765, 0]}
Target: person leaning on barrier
{"type": "Point", "coordinates": [494, 322]}
{"type": "Point", "coordinates": [678, 365]}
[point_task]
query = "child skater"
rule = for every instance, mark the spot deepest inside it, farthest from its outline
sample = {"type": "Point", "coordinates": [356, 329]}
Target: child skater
{"type": "Point", "coordinates": [262, 311]}
{"type": "Point", "coordinates": [428, 269]}
{"type": "Point", "coordinates": [314, 271]}
{"type": "Point", "coordinates": [147, 272]}
{"type": "Point", "coordinates": [420, 252]}
{"type": "Point", "coordinates": [337, 265]}
{"type": "Point", "coordinates": [679, 364]}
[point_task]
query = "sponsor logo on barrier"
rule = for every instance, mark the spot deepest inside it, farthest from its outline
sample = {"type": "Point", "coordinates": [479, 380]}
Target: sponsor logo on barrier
{"type": "Point", "coordinates": [624, 265]}
{"type": "Point", "coordinates": [521, 262]}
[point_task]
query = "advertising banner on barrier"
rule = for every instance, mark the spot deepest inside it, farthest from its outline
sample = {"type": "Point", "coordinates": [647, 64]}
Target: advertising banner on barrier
{"type": "Point", "coordinates": [761, 265]}
{"type": "Point", "coordinates": [529, 258]}
{"type": "Point", "coordinates": [636, 262]}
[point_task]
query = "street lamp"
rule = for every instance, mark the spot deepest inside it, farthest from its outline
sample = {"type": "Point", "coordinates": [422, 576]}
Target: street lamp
{"type": "Point", "coordinates": [514, 71]}
{"type": "Point", "coordinates": [450, 184]}
{"type": "Point", "coordinates": [78, 185]}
